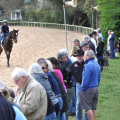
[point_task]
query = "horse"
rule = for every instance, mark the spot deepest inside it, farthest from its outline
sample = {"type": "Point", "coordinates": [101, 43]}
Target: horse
{"type": "Point", "coordinates": [7, 44]}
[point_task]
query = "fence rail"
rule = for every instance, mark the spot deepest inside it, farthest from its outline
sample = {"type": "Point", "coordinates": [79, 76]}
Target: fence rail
{"type": "Point", "coordinates": [75, 28]}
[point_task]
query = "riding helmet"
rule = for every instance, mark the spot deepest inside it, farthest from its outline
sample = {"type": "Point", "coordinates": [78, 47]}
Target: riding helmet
{"type": "Point", "coordinates": [5, 21]}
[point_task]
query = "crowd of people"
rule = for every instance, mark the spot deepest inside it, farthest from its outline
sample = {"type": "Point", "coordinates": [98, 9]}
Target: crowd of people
{"type": "Point", "coordinates": [57, 87]}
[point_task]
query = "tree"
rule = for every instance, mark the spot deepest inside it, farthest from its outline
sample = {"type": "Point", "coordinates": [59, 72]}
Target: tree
{"type": "Point", "coordinates": [75, 16]}
{"type": "Point", "coordinates": [110, 16]}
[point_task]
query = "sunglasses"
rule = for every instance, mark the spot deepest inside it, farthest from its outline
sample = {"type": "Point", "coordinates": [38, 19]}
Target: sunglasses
{"type": "Point", "coordinates": [44, 68]}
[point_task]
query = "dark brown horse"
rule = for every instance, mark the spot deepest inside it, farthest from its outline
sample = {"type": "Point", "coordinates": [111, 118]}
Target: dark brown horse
{"type": "Point", "coordinates": [7, 44]}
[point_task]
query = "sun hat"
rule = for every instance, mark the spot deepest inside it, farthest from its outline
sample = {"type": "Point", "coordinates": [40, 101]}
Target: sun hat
{"type": "Point", "coordinates": [2, 85]}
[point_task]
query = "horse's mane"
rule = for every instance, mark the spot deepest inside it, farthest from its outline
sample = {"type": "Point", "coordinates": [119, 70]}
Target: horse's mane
{"type": "Point", "coordinates": [8, 38]}
{"type": "Point", "coordinates": [8, 35]}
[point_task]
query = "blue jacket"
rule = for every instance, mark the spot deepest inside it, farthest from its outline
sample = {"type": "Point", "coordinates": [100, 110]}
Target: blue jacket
{"type": "Point", "coordinates": [54, 84]}
{"type": "Point", "coordinates": [91, 75]}
{"type": "Point", "coordinates": [6, 110]}
{"type": "Point", "coordinates": [4, 31]}
{"type": "Point", "coordinates": [19, 114]}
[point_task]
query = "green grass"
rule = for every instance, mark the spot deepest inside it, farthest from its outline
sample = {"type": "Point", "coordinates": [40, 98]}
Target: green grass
{"type": "Point", "coordinates": [109, 93]}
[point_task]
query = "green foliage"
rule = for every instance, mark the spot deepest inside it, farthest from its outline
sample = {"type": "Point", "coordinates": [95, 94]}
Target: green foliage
{"type": "Point", "coordinates": [53, 12]}
{"type": "Point", "coordinates": [32, 15]}
{"type": "Point", "coordinates": [110, 16]}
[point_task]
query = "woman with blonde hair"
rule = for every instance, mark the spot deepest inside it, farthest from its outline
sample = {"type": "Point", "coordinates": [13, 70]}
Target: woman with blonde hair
{"type": "Point", "coordinates": [100, 51]}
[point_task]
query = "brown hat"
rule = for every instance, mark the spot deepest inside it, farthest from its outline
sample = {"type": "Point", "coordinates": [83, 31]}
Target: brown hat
{"type": "Point", "coordinates": [75, 48]}
{"type": "Point", "coordinates": [79, 52]}
{"type": "Point", "coordinates": [84, 44]}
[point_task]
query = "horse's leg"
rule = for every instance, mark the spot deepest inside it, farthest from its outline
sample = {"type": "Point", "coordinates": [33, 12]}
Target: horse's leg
{"type": "Point", "coordinates": [8, 58]}
{"type": "Point", "coordinates": [1, 50]}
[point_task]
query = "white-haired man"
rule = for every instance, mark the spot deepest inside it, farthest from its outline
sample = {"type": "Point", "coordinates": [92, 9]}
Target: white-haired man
{"type": "Point", "coordinates": [90, 83]}
{"type": "Point", "coordinates": [31, 97]}
{"type": "Point", "coordinates": [65, 62]}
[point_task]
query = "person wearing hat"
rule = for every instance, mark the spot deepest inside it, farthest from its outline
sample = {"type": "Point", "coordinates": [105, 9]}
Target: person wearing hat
{"type": "Point", "coordinates": [76, 71]}
{"type": "Point", "coordinates": [4, 30]}
{"type": "Point", "coordinates": [84, 45]}
{"type": "Point", "coordinates": [76, 45]}
{"type": "Point", "coordinates": [6, 110]}
{"type": "Point", "coordinates": [87, 39]}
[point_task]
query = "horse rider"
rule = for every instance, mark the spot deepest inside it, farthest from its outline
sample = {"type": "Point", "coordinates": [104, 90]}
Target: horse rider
{"type": "Point", "coordinates": [4, 30]}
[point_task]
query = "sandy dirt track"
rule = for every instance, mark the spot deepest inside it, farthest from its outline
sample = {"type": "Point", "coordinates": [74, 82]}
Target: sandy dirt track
{"type": "Point", "coordinates": [34, 43]}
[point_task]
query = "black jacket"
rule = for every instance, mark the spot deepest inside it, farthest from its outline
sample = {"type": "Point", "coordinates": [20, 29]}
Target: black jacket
{"type": "Point", "coordinates": [76, 70]}
{"type": "Point", "coordinates": [6, 109]}
{"type": "Point", "coordinates": [4, 29]}
{"type": "Point", "coordinates": [100, 49]}
{"type": "Point", "coordinates": [50, 107]}
{"type": "Point", "coordinates": [66, 71]}
{"type": "Point", "coordinates": [63, 93]}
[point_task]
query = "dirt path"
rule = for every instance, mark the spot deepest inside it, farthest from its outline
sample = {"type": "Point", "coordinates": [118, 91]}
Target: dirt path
{"type": "Point", "coordinates": [34, 43]}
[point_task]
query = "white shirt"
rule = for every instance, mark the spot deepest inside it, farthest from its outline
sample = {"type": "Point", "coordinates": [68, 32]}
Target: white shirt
{"type": "Point", "coordinates": [108, 43]}
{"type": "Point", "coordinates": [94, 42]}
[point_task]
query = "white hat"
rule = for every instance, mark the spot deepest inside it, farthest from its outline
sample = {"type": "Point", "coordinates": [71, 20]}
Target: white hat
{"type": "Point", "coordinates": [112, 32]}
{"type": "Point", "coordinates": [2, 85]}
{"type": "Point", "coordinates": [5, 21]}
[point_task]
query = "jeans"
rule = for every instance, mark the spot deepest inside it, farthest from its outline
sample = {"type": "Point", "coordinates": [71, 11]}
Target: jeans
{"type": "Point", "coordinates": [2, 37]}
{"type": "Point", "coordinates": [100, 61]}
{"type": "Point", "coordinates": [86, 117]}
{"type": "Point", "coordinates": [60, 102]}
{"type": "Point", "coordinates": [52, 116]}
{"type": "Point", "coordinates": [78, 106]}
{"type": "Point", "coordinates": [69, 97]}
{"type": "Point", "coordinates": [73, 102]}
{"type": "Point", "coordinates": [112, 54]}
{"type": "Point", "coordinates": [63, 116]}
{"type": "Point", "coordinates": [61, 105]}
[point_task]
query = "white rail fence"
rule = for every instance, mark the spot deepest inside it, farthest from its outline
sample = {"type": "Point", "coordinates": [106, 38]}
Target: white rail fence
{"type": "Point", "coordinates": [75, 28]}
